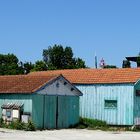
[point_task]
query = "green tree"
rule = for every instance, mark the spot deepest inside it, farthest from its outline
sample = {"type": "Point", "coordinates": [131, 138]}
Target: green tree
{"type": "Point", "coordinates": [39, 66]}
{"type": "Point", "coordinates": [68, 58]}
{"type": "Point", "coordinates": [27, 66]}
{"type": "Point", "coordinates": [10, 65]}
{"type": "Point", "coordinates": [78, 63]}
{"type": "Point", "coordinates": [58, 57]}
{"type": "Point", "coordinates": [54, 57]}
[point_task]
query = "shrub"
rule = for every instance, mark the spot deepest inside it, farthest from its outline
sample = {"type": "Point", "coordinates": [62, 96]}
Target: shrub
{"type": "Point", "coordinates": [18, 125]}
{"type": "Point", "coordinates": [135, 128]}
{"type": "Point", "coordinates": [1, 121]}
{"type": "Point", "coordinates": [92, 124]}
{"type": "Point", "coordinates": [30, 126]}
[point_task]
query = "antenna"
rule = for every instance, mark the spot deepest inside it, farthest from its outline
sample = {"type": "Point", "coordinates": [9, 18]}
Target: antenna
{"type": "Point", "coordinates": [96, 61]}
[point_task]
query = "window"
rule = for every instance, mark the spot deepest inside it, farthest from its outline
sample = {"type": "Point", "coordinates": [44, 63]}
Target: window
{"type": "Point", "coordinates": [15, 113]}
{"type": "Point", "coordinates": [8, 114]}
{"type": "Point", "coordinates": [110, 103]}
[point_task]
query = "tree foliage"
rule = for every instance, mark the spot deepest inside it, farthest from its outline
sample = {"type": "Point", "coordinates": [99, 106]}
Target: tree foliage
{"type": "Point", "coordinates": [10, 65]}
{"type": "Point", "coordinates": [27, 66]}
{"type": "Point", "coordinates": [58, 57]}
{"type": "Point", "coordinates": [39, 66]}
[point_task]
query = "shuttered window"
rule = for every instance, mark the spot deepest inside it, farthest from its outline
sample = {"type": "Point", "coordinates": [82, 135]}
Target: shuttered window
{"type": "Point", "coordinates": [110, 103]}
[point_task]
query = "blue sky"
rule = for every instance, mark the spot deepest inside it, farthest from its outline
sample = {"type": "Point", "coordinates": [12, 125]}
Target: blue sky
{"type": "Point", "coordinates": [111, 28]}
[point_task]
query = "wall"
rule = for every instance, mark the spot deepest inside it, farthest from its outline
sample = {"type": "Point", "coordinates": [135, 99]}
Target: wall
{"type": "Point", "coordinates": [32, 103]}
{"type": "Point", "coordinates": [37, 110]}
{"type": "Point", "coordinates": [61, 89]}
{"type": "Point", "coordinates": [46, 107]}
{"type": "Point", "coordinates": [26, 99]}
{"type": "Point", "coordinates": [137, 104]}
{"type": "Point", "coordinates": [43, 108]}
{"type": "Point", "coordinates": [92, 103]}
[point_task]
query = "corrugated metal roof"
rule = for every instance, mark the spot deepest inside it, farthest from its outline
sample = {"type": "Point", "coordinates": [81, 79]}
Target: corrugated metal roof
{"type": "Point", "coordinates": [12, 105]}
{"type": "Point", "coordinates": [96, 76]}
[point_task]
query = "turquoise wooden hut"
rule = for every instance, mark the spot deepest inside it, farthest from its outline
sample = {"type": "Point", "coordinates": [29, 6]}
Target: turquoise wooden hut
{"type": "Point", "coordinates": [49, 101]}
{"type": "Point", "coordinates": [111, 95]}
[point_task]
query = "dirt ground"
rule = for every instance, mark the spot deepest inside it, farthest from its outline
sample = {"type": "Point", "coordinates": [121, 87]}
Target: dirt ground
{"type": "Point", "coordinates": [67, 134]}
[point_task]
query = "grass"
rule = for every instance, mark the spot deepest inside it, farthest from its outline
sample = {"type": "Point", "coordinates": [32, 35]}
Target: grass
{"type": "Point", "coordinates": [84, 123]}
{"type": "Point", "coordinates": [92, 124]}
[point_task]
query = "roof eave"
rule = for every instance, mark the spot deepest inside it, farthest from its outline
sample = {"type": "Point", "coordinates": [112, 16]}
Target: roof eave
{"type": "Point", "coordinates": [111, 83]}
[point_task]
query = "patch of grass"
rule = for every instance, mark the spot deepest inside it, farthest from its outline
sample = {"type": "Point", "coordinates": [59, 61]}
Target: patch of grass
{"type": "Point", "coordinates": [92, 124]}
{"type": "Point", "coordinates": [135, 128]}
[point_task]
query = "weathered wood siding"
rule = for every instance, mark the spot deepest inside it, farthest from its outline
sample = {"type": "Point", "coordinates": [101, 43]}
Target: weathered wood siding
{"type": "Point", "coordinates": [137, 105]}
{"type": "Point", "coordinates": [26, 99]}
{"type": "Point", "coordinates": [93, 100]}
{"type": "Point", "coordinates": [62, 89]}
{"type": "Point", "coordinates": [43, 109]}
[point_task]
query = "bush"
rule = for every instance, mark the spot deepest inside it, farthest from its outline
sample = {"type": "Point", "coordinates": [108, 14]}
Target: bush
{"type": "Point", "coordinates": [1, 121]}
{"type": "Point", "coordinates": [92, 124]}
{"type": "Point", "coordinates": [135, 128]}
{"type": "Point", "coordinates": [18, 125]}
{"type": "Point", "coordinates": [30, 126]}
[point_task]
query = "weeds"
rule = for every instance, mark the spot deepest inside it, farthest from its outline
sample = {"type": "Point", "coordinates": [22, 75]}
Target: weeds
{"type": "Point", "coordinates": [92, 124]}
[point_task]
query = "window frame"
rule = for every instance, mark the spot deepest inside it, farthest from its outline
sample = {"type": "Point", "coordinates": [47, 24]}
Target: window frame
{"type": "Point", "coordinates": [10, 111]}
{"type": "Point", "coordinates": [112, 101]}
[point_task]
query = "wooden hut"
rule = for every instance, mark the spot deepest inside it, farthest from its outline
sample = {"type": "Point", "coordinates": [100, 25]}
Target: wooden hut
{"type": "Point", "coordinates": [49, 101]}
{"type": "Point", "coordinates": [111, 95]}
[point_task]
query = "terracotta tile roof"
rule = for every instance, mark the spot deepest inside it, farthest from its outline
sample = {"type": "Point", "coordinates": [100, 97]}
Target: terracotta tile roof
{"type": "Point", "coordinates": [96, 76]}
{"type": "Point", "coordinates": [23, 83]}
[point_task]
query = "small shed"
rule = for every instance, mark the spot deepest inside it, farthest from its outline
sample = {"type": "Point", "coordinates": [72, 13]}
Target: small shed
{"type": "Point", "coordinates": [49, 101]}
{"type": "Point", "coordinates": [111, 95]}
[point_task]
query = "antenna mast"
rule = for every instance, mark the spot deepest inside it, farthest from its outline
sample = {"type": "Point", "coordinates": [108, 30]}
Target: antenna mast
{"type": "Point", "coordinates": [96, 61]}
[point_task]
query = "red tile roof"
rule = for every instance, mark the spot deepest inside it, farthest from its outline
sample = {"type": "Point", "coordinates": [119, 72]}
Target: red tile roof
{"type": "Point", "coordinates": [23, 83]}
{"type": "Point", "coordinates": [96, 76]}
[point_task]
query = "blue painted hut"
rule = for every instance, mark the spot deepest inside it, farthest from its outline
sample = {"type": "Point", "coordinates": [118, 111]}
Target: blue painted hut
{"type": "Point", "coordinates": [49, 101]}
{"type": "Point", "coordinates": [111, 95]}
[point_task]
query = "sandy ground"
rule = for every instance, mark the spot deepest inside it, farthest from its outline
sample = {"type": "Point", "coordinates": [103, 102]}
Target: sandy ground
{"type": "Point", "coordinates": [67, 134]}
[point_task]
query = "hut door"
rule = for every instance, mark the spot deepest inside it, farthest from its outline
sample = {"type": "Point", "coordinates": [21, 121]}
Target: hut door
{"type": "Point", "coordinates": [68, 111]}
{"type": "Point", "coordinates": [62, 112]}
{"type": "Point", "coordinates": [50, 112]}
{"type": "Point", "coordinates": [55, 113]}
